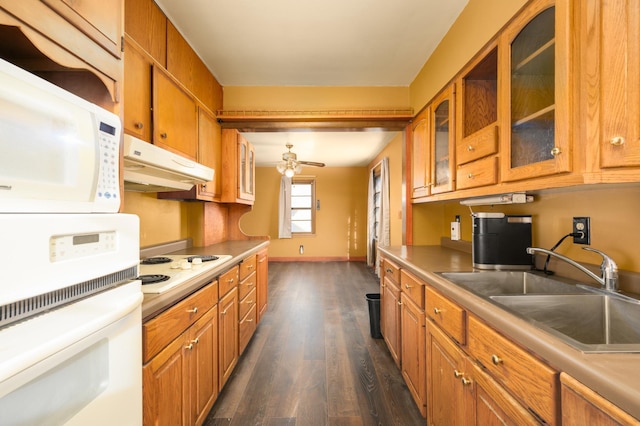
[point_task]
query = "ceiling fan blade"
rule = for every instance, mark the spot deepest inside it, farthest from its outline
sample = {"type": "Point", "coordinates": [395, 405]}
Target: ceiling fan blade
{"type": "Point", "coordinates": [311, 163]}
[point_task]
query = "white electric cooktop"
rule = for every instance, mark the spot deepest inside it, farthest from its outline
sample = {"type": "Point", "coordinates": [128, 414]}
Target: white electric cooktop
{"type": "Point", "coordinates": [162, 273]}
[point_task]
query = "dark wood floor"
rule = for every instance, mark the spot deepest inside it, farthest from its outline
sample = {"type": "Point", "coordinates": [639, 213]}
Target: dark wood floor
{"type": "Point", "coordinates": [312, 360]}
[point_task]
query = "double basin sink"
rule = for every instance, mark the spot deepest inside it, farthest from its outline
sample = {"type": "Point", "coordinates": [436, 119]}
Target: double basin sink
{"type": "Point", "coordinates": [581, 316]}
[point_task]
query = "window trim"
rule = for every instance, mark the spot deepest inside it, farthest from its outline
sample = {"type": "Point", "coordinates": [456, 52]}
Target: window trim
{"type": "Point", "coordinates": [297, 180]}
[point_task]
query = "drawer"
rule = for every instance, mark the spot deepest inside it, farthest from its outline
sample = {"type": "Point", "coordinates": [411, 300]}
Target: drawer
{"type": "Point", "coordinates": [246, 285]}
{"type": "Point", "coordinates": [247, 328]}
{"type": "Point", "coordinates": [227, 281]}
{"type": "Point", "coordinates": [480, 144]}
{"type": "Point", "coordinates": [247, 266]}
{"type": "Point", "coordinates": [246, 303]}
{"type": "Point", "coordinates": [450, 317]}
{"type": "Point", "coordinates": [478, 173]}
{"type": "Point", "coordinates": [524, 376]}
{"type": "Point", "coordinates": [391, 270]}
{"type": "Point", "coordinates": [159, 331]}
{"type": "Point", "coordinates": [393, 288]}
{"type": "Point", "coordinates": [413, 287]}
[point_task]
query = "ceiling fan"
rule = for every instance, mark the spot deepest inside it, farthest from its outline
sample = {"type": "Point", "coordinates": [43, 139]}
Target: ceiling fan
{"type": "Point", "coordinates": [290, 164]}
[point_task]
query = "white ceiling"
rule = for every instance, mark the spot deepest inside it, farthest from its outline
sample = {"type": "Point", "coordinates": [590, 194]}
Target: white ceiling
{"type": "Point", "coordinates": [314, 43]}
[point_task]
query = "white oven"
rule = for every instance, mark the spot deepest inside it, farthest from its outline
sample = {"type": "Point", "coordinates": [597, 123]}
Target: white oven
{"type": "Point", "coordinates": [70, 320]}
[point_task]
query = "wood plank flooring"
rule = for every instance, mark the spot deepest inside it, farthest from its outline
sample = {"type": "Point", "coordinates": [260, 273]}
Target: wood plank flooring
{"type": "Point", "coordinates": [312, 360]}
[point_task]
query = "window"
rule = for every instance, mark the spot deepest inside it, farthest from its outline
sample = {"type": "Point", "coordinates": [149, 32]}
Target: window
{"type": "Point", "coordinates": [303, 199]}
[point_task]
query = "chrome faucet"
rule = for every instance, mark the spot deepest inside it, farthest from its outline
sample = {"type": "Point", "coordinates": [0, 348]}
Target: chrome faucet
{"type": "Point", "coordinates": [609, 278]}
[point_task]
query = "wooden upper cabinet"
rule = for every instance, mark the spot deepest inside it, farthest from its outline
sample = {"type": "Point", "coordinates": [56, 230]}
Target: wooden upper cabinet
{"type": "Point", "coordinates": [477, 108]}
{"type": "Point", "coordinates": [238, 175]}
{"type": "Point", "coordinates": [100, 21]}
{"type": "Point", "coordinates": [209, 153]}
{"type": "Point", "coordinates": [175, 116]}
{"type": "Point", "coordinates": [186, 66]}
{"type": "Point", "coordinates": [617, 28]}
{"type": "Point", "coordinates": [536, 91]}
{"type": "Point", "coordinates": [442, 142]}
{"type": "Point", "coordinates": [137, 92]}
{"type": "Point", "coordinates": [419, 155]}
{"type": "Point", "coordinates": [147, 25]}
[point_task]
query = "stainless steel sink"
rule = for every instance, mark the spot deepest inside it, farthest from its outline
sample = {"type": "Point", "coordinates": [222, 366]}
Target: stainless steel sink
{"type": "Point", "coordinates": [589, 322]}
{"type": "Point", "coordinates": [498, 283]}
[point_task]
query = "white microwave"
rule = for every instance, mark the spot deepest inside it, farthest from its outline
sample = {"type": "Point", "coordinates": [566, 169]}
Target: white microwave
{"type": "Point", "coordinates": [58, 152]}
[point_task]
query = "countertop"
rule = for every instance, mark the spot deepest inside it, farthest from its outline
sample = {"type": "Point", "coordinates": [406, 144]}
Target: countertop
{"type": "Point", "coordinates": [153, 304]}
{"type": "Point", "coordinates": [614, 376]}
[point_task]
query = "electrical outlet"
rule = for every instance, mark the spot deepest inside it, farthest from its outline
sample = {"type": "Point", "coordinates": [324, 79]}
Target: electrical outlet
{"type": "Point", "coordinates": [582, 226]}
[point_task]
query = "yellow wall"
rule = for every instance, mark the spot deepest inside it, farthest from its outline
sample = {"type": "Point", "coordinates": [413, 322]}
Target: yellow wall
{"type": "Point", "coordinates": [478, 23]}
{"type": "Point", "coordinates": [613, 211]}
{"type": "Point", "coordinates": [393, 151]}
{"type": "Point", "coordinates": [314, 98]}
{"type": "Point", "coordinates": [160, 220]}
{"type": "Point", "coordinates": [341, 222]}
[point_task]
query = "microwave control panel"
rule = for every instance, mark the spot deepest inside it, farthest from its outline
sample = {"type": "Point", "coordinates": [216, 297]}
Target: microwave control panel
{"type": "Point", "coordinates": [108, 180]}
{"type": "Point", "coordinates": [76, 246]}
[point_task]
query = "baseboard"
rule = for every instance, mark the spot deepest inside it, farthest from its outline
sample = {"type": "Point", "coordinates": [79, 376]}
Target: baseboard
{"type": "Point", "coordinates": [319, 259]}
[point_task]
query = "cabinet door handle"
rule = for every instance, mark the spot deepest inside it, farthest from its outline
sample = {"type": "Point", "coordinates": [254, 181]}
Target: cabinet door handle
{"type": "Point", "coordinates": [193, 311]}
{"type": "Point", "coordinates": [465, 381]}
{"type": "Point", "coordinates": [230, 280]}
{"type": "Point", "coordinates": [388, 271]}
{"type": "Point", "coordinates": [470, 148]}
{"type": "Point", "coordinates": [470, 176]}
{"type": "Point", "coordinates": [249, 266]}
{"type": "Point", "coordinates": [138, 125]}
{"type": "Point", "coordinates": [457, 374]}
{"type": "Point", "coordinates": [617, 141]}
{"type": "Point", "coordinates": [399, 303]}
{"type": "Point", "coordinates": [225, 311]}
{"type": "Point", "coordinates": [249, 302]}
{"type": "Point", "coordinates": [195, 341]}
{"type": "Point", "coordinates": [555, 151]}
{"type": "Point", "coordinates": [437, 311]}
{"type": "Point", "coordinates": [496, 360]}
{"type": "Point", "coordinates": [189, 346]}
{"type": "Point", "coordinates": [407, 286]}
{"type": "Point", "coordinates": [250, 320]}
{"type": "Point", "coordinates": [163, 135]}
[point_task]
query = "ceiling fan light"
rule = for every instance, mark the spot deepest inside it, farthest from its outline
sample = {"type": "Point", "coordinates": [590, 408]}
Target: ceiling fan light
{"type": "Point", "coordinates": [281, 167]}
{"type": "Point", "coordinates": [289, 172]}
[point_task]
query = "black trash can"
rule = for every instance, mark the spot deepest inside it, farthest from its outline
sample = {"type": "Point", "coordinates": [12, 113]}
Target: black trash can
{"type": "Point", "coordinates": [373, 299]}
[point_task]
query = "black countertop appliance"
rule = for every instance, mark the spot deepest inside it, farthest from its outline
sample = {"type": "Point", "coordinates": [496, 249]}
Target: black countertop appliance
{"type": "Point", "coordinates": [500, 241]}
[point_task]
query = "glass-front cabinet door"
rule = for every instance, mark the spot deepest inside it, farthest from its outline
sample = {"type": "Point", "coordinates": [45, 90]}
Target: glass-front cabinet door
{"type": "Point", "coordinates": [442, 142]}
{"type": "Point", "coordinates": [536, 92]}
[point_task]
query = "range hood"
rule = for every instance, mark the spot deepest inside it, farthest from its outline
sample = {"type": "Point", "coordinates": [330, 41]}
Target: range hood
{"type": "Point", "coordinates": [149, 168]}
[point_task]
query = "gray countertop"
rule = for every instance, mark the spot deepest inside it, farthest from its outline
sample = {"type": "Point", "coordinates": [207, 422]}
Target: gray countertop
{"type": "Point", "coordinates": [153, 304]}
{"type": "Point", "coordinates": [614, 376]}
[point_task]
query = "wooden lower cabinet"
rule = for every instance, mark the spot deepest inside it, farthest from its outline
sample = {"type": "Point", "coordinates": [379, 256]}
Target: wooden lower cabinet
{"type": "Point", "coordinates": [180, 384]}
{"type": "Point", "coordinates": [228, 337]}
{"type": "Point", "coordinates": [413, 350]}
{"type": "Point", "coordinates": [583, 406]}
{"type": "Point", "coordinates": [390, 318]}
{"type": "Point", "coordinates": [262, 283]}
{"type": "Point", "coordinates": [459, 392]}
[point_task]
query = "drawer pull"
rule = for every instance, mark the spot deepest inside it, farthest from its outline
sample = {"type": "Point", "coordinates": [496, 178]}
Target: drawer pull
{"type": "Point", "coordinates": [230, 280]}
{"type": "Point", "coordinates": [437, 311]}
{"type": "Point", "coordinates": [249, 266]}
{"type": "Point", "coordinates": [617, 141]}
{"type": "Point", "coordinates": [470, 148]}
{"type": "Point", "coordinates": [249, 302]}
{"type": "Point", "coordinates": [250, 320]}
{"type": "Point", "coordinates": [465, 381]}
{"type": "Point", "coordinates": [249, 284]}
{"type": "Point", "coordinates": [496, 360]}
{"type": "Point", "coordinates": [193, 311]}
{"type": "Point", "coordinates": [457, 374]}
{"type": "Point", "coordinates": [470, 176]}
{"type": "Point", "coordinates": [388, 271]}
{"type": "Point", "coordinates": [407, 286]}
